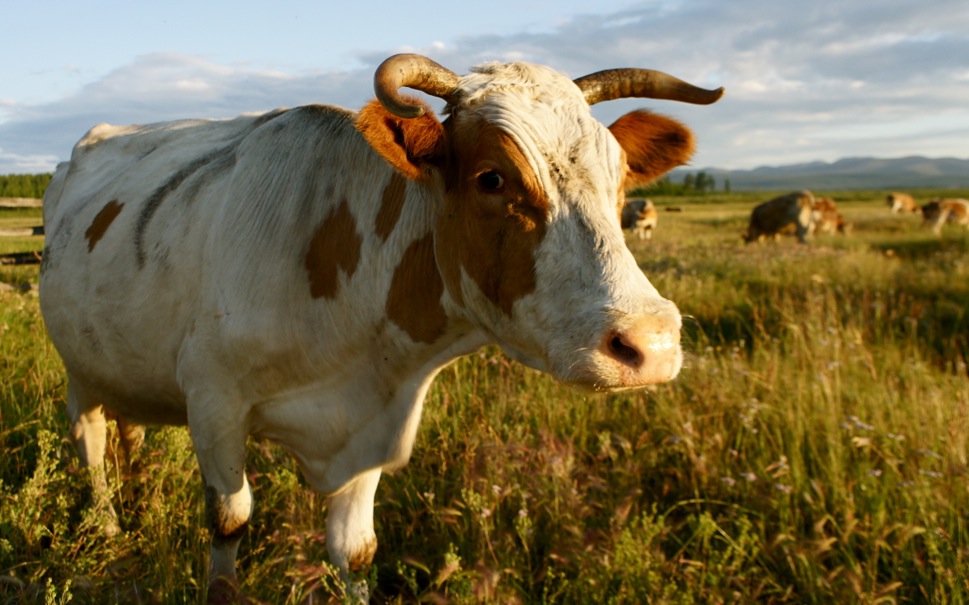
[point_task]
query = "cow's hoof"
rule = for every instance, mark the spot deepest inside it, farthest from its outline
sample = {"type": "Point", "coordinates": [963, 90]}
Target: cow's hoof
{"type": "Point", "coordinates": [223, 591]}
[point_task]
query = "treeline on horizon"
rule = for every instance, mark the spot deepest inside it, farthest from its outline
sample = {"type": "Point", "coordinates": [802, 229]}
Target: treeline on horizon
{"type": "Point", "coordinates": [24, 185]}
{"type": "Point", "coordinates": [693, 184]}
{"type": "Point", "coordinates": [34, 185]}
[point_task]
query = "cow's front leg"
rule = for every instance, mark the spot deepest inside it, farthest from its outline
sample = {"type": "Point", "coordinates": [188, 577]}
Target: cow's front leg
{"type": "Point", "coordinates": [220, 449]}
{"type": "Point", "coordinates": [350, 538]}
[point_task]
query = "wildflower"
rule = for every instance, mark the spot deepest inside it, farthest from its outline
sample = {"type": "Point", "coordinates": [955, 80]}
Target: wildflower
{"type": "Point", "coordinates": [859, 424]}
{"type": "Point", "coordinates": [875, 472]}
{"type": "Point", "coordinates": [728, 481]}
{"type": "Point", "coordinates": [750, 477]}
{"type": "Point", "coordinates": [783, 487]}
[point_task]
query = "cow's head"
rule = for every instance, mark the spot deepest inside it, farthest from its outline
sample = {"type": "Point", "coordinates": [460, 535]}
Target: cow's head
{"type": "Point", "coordinates": [528, 240]}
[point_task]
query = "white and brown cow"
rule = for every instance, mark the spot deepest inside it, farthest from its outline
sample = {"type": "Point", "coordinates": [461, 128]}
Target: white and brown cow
{"type": "Point", "coordinates": [302, 275]}
{"type": "Point", "coordinates": [639, 216]}
{"type": "Point", "coordinates": [770, 219]}
{"type": "Point", "coordinates": [938, 212]}
{"type": "Point", "coordinates": [901, 202]}
{"type": "Point", "coordinates": [827, 219]}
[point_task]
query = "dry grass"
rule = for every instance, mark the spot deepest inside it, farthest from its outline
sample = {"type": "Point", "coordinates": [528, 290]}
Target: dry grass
{"type": "Point", "coordinates": [814, 450]}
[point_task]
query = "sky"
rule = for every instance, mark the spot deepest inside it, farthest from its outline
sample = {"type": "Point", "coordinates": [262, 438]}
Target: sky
{"type": "Point", "coordinates": [805, 81]}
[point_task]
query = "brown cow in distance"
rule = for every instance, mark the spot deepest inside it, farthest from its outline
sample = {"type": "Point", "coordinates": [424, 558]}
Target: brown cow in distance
{"type": "Point", "coordinates": [939, 211]}
{"type": "Point", "coordinates": [640, 216]}
{"type": "Point", "coordinates": [827, 219]}
{"type": "Point", "coordinates": [779, 215]}
{"type": "Point", "coordinates": [901, 202]}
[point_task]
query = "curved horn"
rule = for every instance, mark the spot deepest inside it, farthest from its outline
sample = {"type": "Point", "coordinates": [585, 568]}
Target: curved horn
{"type": "Point", "coordinates": [621, 83]}
{"type": "Point", "coordinates": [413, 71]}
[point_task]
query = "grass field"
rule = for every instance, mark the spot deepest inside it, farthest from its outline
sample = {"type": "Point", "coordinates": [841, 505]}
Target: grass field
{"type": "Point", "coordinates": [813, 450]}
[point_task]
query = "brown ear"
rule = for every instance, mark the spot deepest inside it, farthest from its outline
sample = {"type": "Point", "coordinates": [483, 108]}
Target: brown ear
{"type": "Point", "coordinates": [654, 144]}
{"type": "Point", "coordinates": [410, 145]}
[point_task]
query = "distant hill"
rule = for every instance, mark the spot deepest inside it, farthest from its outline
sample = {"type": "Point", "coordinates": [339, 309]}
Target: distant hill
{"type": "Point", "coordinates": [914, 172]}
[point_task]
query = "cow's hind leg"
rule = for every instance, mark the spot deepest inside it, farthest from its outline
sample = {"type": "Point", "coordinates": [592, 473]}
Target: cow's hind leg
{"type": "Point", "coordinates": [132, 439]}
{"type": "Point", "coordinates": [350, 537]}
{"type": "Point", "coordinates": [220, 447]}
{"type": "Point", "coordinates": [89, 431]}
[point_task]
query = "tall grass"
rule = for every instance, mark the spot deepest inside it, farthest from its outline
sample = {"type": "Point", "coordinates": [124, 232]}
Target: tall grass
{"type": "Point", "coordinates": [813, 450]}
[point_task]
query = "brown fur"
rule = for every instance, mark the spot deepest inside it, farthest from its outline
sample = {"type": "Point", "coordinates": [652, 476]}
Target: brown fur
{"type": "Point", "coordinates": [335, 247]}
{"type": "Point", "coordinates": [391, 206]}
{"type": "Point", "coordinates": [408, 145]}
{"type": "Point", "coordinates": [491, 235]}
{"type": "Point", "coordinates": [414, 300]}
{"type": "Point", "coordinates": [654, 145]}
{"type": "Point", "coordinates": [101, 223]}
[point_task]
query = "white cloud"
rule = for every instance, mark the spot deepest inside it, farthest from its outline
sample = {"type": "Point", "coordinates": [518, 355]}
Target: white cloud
{"type": "Point", "coordinates": [818, 80]}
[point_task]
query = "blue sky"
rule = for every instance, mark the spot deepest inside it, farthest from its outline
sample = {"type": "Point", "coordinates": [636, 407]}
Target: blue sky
{"type": "Point", "coordinates": [805, 81]}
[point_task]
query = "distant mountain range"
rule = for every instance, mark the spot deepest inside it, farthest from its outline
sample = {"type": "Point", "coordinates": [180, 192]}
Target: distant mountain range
{"type": "Point", "coordinates": [914, 172]}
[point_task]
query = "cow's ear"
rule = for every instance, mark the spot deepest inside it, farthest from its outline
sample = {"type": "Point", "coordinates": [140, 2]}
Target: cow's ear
{"type": "Point", "coordinates": [410, 145]}
{"type": "Point", "coordinates": [654, 145]}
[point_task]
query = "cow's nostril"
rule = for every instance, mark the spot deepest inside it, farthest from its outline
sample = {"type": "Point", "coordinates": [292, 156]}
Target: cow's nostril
{"type": "Point", "coordinates": [623, 352]}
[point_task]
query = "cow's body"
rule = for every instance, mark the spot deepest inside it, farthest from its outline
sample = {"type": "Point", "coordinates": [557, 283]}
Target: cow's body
{"type": "Point", "coordinates": [772, 218]}
{"type": "Point", "coordinates": [827, 219]}
{"type": "Point", "coordinates": [938, 212]}
{"type": "Point", "coordinates": [303, 275]}
{"type": "Point", "coordinates": [640, 217]}
{"type": "Point", "coordinates": [901, 202]}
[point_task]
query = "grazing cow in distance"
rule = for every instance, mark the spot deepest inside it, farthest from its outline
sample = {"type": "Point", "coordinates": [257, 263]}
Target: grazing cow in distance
{"type": "Point", "coordinates": [827, 219]}
{"type": "Point", "coordinates": [640, 216]}
{"type": "Point", "coordinates": [901, 202]}
{"type": "Point", "coordinates": [778, 215]}
{"type": "Point", "coordinates": [938, 212]}
{"type": "Point", "coordinates": [303, 275]}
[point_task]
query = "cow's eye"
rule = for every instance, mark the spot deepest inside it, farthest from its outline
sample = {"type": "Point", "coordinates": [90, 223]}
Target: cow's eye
{"type": "Point", "coordinates": [491, 181]}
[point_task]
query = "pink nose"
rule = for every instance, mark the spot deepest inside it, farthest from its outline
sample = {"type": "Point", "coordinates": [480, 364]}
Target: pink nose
{"type": "Point", "coordinates": [645, 350]}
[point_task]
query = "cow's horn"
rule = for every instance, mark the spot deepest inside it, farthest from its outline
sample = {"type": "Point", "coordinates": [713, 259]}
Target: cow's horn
{"type": "Point", "coordinates": [412, 71]}
{"type": "Point", "coordinates": [621, 83]}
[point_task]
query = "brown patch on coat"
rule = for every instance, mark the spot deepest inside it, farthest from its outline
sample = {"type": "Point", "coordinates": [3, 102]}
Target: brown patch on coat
{"type": "Point", "coordinates": [414, 300]}
{"type": "Point", "coordinates": [491, 235]}
{"type": "Point", "coordinates": [654, 145]}
{"type": "Point", "coordinates": [359, 561]}
{"type": "Point", "coordinates": [391, 206]}
{"type": "Point", "coordinates": [335, 247]}
{"type": "Point", "coordinates": [225, 528]}
{"type": "Point", "coordinates": [101, 223]}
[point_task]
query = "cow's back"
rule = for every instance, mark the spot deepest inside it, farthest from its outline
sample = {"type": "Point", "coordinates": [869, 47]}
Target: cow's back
{"type": "Point", "coordinates": [127, 221]}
